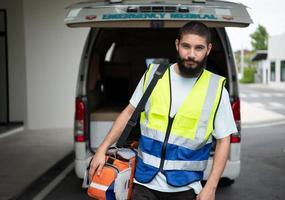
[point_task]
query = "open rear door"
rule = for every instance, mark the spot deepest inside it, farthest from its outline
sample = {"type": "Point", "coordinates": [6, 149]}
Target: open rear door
{"type": "Point", "coordinates": [156, 14]}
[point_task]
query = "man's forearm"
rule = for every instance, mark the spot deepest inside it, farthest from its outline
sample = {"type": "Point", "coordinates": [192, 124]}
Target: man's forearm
{"type": "Point", "coordinates": [220, 159]}
{"type": "Point", "coordinates": [117, 128]}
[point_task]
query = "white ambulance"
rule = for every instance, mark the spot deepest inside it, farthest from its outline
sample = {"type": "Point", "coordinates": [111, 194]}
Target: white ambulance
{"type": "Point", "coordinates": [125, 35]}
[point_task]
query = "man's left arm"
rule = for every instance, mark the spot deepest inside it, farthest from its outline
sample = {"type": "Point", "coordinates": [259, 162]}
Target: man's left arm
{"type": "Point", "coordinates": [219, 161]}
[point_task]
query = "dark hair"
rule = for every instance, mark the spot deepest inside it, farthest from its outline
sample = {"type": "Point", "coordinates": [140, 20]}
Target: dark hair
{"type": "Point", "coordinates": [196, 28]}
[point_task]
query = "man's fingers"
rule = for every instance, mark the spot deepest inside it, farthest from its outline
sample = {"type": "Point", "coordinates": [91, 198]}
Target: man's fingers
{"type": "Point", "coordinates": [92, 170]}
{"type": "Point", "coordinates": [99, 169]}
{"type": "Point", "coordinates": [96, 165]}
{"type": "Point", "coordinates": [95, 168]}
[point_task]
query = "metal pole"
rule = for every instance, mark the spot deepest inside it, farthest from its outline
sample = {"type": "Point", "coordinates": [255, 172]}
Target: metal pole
{"type": "Point", "coordinates": [242, 61]}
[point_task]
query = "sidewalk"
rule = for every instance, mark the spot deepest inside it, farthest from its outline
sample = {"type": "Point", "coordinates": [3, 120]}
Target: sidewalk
{"type": "Point", "coordinates": [252, 115]}
{"type": "Point", "coordinates": [274, 86]}
{"type": "Point", "coordinates": [27, 155]}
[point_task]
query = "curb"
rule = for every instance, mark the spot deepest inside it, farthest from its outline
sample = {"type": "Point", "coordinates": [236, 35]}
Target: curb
{"type": "Point", "coordinates": [12, 132]}
{"type": "Point", "coordinates": [280, 88]}
{"type": "Point", "coordinates": [40, 183]}
{"type": "Point", "coordinates": [263, 123]}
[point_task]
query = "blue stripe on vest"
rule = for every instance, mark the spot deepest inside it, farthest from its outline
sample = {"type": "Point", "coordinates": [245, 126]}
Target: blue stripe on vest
{"type": "Point", "coordinates": [182, 178]}
{"type": "Point", "coordinates": [150, 146]}
{"type": "Point", "coordinates": [144, 173]}
{"type": "Point", "coordinates": [174, 152]}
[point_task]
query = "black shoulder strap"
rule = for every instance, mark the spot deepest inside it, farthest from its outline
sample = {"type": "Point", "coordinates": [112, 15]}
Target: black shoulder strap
{"type": "Point", "coordinates": [133, 120]}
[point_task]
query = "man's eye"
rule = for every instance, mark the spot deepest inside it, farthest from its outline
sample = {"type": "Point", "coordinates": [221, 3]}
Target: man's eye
{"type": "Point", "coordinates": [185, 46]}
{"type": "Point", "coordinates": [199, 48]}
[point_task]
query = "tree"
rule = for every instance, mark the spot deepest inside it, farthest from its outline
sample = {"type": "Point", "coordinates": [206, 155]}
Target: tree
{"type": "Point", "coordinates": [259, 39]}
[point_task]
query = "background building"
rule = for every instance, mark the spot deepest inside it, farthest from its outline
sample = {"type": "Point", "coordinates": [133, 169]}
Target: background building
{"type": "Point", "coordinates": [276, 59]}
{"type": "Point", "coordinates": [39, 62]}
{"type": "Point", "coordinates": [262, 67]}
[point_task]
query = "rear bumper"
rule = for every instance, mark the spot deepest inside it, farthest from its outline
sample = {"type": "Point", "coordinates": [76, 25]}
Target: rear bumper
{"type": "Point", "coordinates": [80, 167]}
{"type": "Point", "coordinates": [231, 171]}
{"type": "Point", "coordinates": [82, 159]}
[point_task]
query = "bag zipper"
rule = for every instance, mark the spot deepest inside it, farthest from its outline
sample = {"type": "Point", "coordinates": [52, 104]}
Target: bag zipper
{"type": "Point", "coordinates": [112, 166]}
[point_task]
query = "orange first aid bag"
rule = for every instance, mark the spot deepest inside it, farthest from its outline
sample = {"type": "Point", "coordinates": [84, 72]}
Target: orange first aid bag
{"type": "Point", "coordinates": [115, 181]}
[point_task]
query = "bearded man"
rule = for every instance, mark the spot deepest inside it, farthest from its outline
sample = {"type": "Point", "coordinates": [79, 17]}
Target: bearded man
{"type": "Point", "coordinates": [187, 108]}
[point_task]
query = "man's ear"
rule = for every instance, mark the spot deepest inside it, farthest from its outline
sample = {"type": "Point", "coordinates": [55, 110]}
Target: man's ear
{"type": "Point", "coordinates": [209, 48]}
{"type": "Point", "coordinates": [176, 44]}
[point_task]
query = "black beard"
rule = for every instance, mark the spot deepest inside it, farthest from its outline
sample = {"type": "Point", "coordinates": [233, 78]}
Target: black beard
{"type": "Point", "coordinates": [191, 72]}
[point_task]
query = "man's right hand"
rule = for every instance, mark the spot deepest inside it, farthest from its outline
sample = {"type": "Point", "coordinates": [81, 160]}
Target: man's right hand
{"type": "Point", "coordinates": [97, 163]}
{"type": "Point", "coordinates": [99, 158]}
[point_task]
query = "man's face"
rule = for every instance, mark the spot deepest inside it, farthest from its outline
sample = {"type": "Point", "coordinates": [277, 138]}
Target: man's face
{"type": "Point", "coordinates": [192, 52]}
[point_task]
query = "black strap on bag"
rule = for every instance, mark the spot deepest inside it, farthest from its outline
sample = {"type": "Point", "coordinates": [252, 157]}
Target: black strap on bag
{"type": "Point", "coordinates": [133, 120]}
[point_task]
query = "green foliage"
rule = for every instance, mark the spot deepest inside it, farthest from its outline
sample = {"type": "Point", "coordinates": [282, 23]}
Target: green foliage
{"type": "Point", "coordinates": [259, 39]}
{"type": "Point", "coordinates": [247, 59]}
{"type": "Point", "coordinates": [248, 75]}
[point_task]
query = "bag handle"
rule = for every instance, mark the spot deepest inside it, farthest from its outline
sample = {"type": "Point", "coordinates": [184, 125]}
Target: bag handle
{"type": "Point", "coordinates": [133, 120]}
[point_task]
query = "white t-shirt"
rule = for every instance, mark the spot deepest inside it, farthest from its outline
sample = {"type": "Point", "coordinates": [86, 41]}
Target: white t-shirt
{"type": "Point", "coordinates": [224, 123]}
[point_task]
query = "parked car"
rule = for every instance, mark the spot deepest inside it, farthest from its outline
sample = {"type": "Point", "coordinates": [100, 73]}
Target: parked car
{"type": "Point", "coordinates": [125, 35]}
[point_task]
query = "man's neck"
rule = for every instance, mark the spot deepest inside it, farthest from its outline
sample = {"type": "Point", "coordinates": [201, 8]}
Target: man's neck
{"type": "Point", "coordinates": [176, 69]}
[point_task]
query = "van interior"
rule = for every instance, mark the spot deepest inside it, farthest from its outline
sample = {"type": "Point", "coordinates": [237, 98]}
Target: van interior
{"type": "Point", "coordinates": [120, 57]}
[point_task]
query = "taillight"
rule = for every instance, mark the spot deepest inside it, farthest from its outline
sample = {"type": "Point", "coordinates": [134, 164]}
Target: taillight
{"type": "Point", "coordinates": [79, 127]}
{"type": "Point", "coordinates": [236, 137]}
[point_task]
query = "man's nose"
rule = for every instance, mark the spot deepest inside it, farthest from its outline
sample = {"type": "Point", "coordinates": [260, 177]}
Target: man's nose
{"type": "Point", "coordinates": [191, 53]}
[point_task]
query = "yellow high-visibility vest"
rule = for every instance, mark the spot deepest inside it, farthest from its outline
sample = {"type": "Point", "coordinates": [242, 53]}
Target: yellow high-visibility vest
{"type": "Point", "coordinates": [186, 137]}
{"type": "Point", "coordinates": [190, 114]}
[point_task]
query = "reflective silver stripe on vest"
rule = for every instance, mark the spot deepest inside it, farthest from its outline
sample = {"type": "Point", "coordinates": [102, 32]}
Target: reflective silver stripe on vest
{"type": "Point", "coordinates": [151, 73]}
{"type": "Point", "coordinates": [207, 108]}
{"type": "Point", "coordinates": [172, 164]}
{"type": "Point", "coordinates": [173, 139]}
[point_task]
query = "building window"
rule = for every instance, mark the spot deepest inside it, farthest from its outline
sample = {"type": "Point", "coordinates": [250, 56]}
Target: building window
{"type": "Point", "coordinates": [2, 21]}
{"type": "Point", "coordinates": [283, 70]}
{"type": "Point", "coordinates": [4, 100]}
{"type": "Point", "coordinates": [272, 71]}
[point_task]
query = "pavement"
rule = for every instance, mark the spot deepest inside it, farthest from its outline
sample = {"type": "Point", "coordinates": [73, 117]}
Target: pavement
{"type": "Point", "coordinates": [273, 86]}
{"type": "Point", "coordinates": [254, 116]}
{"type": "Point", "coordinates": [26, 155]}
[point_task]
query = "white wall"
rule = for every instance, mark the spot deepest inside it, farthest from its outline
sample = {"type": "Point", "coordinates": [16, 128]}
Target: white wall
{"type": "Point", "coordinates": [265, 67]}
{"type": "Point", "coordinates": [275, 47]}
{"type": "Point", "coordinates": [53, 54]}
{"type": "Point", "coordinates": [276, 54]}
{"type": "Point", "coordinates": [16, 59]}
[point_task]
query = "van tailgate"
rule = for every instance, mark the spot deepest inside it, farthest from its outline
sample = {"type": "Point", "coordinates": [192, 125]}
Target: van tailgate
{"type": "Point", "coordinates": [157, 14]}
